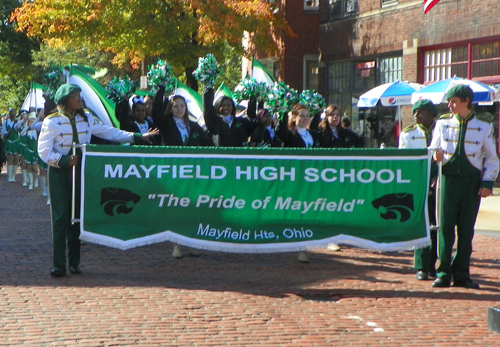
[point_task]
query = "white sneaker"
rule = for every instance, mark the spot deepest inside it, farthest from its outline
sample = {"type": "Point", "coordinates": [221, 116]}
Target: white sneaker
{"type": "Point", "coordinates": [177, 253]}
{"type": "Point", "coordinates": [48, 201]}
{"type": "Point", "coordinates": [333, 247]}
{"type": "Point", "coordinates": [193, 252]}
{"type": "Point", "coordinates": [44, 191]}
{"type": "Point", "coordinates": [302, 257]}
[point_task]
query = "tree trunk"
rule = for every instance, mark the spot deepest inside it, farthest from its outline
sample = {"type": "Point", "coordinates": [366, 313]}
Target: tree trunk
{"type": "Point", "coordinates": [191, 82]}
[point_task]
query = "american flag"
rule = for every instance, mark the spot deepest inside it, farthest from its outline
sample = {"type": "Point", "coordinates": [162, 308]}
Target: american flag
{"type": "Point", "coordinates": [428, 4]}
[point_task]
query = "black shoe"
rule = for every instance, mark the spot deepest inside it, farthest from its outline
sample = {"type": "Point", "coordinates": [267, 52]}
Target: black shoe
{"type": "Point", "coordinates": [441, 283]}
{"type": "Point", "coordinates": [75, 270]}
{"type": "Point", "coordinates": [58, 271]}
{"type": "Point", "coordinates": [433, 274]}
{"type": "Point", "coordinates": [422, 275]}
{"type": "Point", "coordinates": [467, 283]}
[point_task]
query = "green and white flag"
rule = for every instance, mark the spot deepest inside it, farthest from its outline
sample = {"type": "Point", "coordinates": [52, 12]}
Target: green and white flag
{"type": "Point", "coordinates": [254, 200]}
{"type": "Point", "coordinates": [34, 99]}
{"type": "Point", "coordinates": [261, 74]}
{"type": "Point", "coordinates": [193, 100]}
{"type": "Point", "coordinates": [223, 90]}
{"type": "Point", "coordinates": [94, 95]}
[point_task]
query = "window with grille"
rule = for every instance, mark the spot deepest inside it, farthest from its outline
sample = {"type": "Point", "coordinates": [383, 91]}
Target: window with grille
{"type": "Point", "coordinates": [486, 60]}
{"type": "Point", "coordinates": [390, 70]}
{"type": "Point", "coordinates": [483, 62]}
{"type": "Point", "coordinates": [311, 72]}
{"type": "Point", "coordinates": [386, 3]}
{"type": "Point", "coordinates": [339, 76]}
{"type": "Point", "coordinates": [342, 8]}
{"type": "Point", "coordinates": [311, 5]}
{"type": "Point", "coordinates": [445, 63]}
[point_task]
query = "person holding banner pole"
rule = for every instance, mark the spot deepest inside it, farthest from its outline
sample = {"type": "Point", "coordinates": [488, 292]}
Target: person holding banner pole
{"type": "Point", "coordinates": [465, 145]}
{"type": "Point", "coordinates": [419, 135]}
{"type": "Point", "coordinates": [70, 124]}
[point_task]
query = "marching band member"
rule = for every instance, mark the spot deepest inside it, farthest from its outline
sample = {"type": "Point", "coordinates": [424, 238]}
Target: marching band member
{"type": "Point", "coordinates": [67, 125]}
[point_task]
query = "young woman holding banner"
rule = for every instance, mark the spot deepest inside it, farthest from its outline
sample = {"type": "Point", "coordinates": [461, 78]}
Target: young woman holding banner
{"type": "Point", "coordinates": [294, 133]}
{"type": "Point", "coordinates": [177, 130]}
{"type": "Point", "coordinates": [226, 129]}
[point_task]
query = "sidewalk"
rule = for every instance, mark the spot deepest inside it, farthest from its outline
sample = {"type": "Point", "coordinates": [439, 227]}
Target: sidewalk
{"type": "Point", "coordinates": [143, 297]}
{"type": "Point", "coordinates": [488, 219]}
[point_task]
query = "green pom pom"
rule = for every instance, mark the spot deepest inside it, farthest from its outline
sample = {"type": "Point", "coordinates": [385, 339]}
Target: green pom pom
{"type": "Point", "coordinates": [208, 71]}
{"type": "Point", "coordinates": [120, 89]}
{"type": "Point", "coordinates": [162, 74]}
{"type": "Point", "coordinates": [312, 100]}
{"type": "Point", "coordinates": [281, 98]}
{"type": "Point", "coordinates": [249, 88]}
{"type": "Point", "coordinates": [52, 80]}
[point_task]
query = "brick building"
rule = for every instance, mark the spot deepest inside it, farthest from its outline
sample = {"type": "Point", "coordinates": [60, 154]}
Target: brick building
{"type": "Point", "coordinates": [344, 48]}
{"type": "Point", "coordinates": [297, 62]}
{"type": "Point", "coordinates": [365, 43]}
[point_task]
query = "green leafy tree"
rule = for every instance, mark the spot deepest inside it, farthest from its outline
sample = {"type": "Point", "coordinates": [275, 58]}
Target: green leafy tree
{"type": "Point", "coordinates": [16, 70]}
{"type": "Point", "coordinates": [179, 31]}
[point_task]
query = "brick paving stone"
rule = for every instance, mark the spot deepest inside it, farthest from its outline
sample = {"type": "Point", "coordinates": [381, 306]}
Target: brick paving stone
{"type": "Point", "coordinates": [143, 297]}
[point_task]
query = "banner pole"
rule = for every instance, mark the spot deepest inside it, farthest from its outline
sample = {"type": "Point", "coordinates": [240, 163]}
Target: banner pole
{"type": "Point", "coordinates": [73, 191]}
{"type": "Point", "coordinates": [439, 199]}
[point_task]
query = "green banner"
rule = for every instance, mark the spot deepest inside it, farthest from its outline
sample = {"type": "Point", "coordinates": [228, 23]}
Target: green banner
{"type": "Point", "coordinates": [254, 200]}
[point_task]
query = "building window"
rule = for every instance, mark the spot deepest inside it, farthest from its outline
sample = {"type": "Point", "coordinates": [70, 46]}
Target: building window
{"type": "Point", "coordinates": [311, 5]}
{"type": "Point", "coordinates": [483, 62]}
{"type": "Point", "coordinates": [311, 72]}
{"type": "Point", "coordinates": [390, 70]}
{"type": "Point", "coordinates": [342, 8]}
{"type": "Point", "coordinates": [271, 65]}
{"type": "Point", "coordinates": [445, 63]}
{"type": "Point", "coordinates": [486, 60]}
{"type": "Point", "coordinates": [339, 76]}
{"type": "Point", "coordinates": [387, 3]}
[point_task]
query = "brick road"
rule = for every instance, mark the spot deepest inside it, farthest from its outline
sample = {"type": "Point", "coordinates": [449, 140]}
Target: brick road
{"type": "Point", "coordinates": [143, 297]}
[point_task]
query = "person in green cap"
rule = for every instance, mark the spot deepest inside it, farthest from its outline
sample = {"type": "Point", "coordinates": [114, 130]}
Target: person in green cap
{"type": "Point", "coordinates": [67, 125]}
{"type": "Point", "coordinates": [419, 135]}
{"type": "Point", "coordinates": [465, 145]}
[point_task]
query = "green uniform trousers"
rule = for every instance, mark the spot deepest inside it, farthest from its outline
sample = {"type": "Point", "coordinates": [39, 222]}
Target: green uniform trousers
{"type": "Point", "coordinates": [460, 206]}
{"type": "Point", "coordinates": [60, 190]}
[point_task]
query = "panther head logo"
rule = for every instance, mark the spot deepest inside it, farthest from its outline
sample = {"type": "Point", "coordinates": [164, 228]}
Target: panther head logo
{"type": "Point", "coordinates": [397, 206]}
{"type": "Point", "coordinates": [118, 200]}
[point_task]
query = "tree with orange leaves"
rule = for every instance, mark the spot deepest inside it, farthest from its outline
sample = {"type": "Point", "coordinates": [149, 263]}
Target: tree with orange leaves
{"type": "Point", "coordinates": [179, 31]}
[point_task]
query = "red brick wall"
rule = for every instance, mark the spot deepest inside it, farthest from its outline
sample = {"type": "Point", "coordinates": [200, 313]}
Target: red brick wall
{"type": "Point", "coordinates": [305, 26]}
{"type": "Point", "coordinates": [377, 31]}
